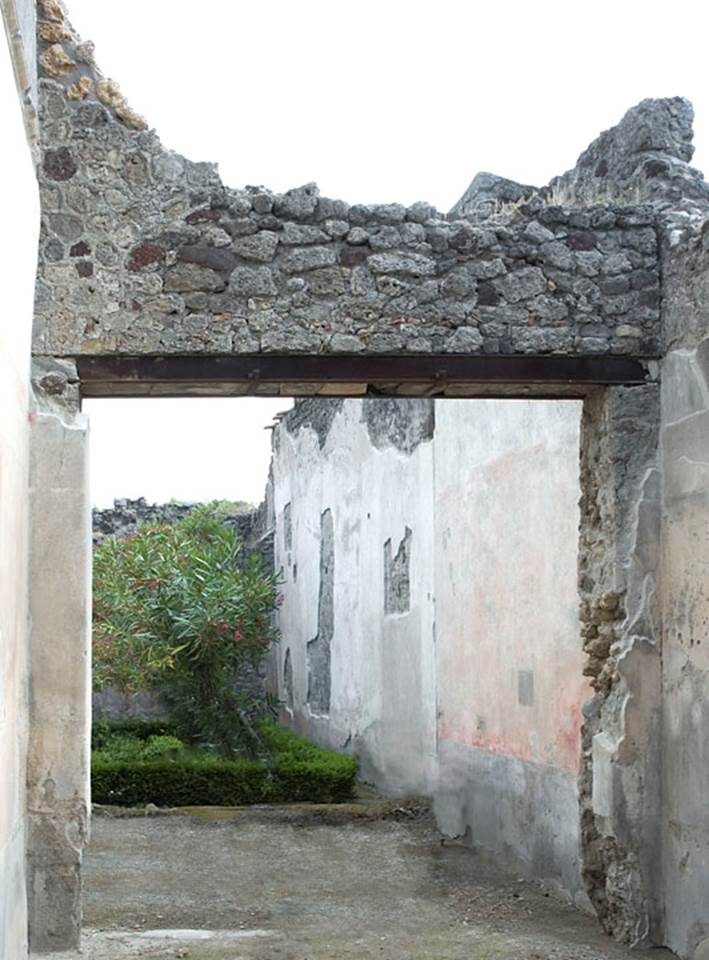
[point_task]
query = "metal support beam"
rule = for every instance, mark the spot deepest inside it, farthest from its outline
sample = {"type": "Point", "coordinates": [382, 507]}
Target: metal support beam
{"type": "Point", "coordinates": [439, 375]}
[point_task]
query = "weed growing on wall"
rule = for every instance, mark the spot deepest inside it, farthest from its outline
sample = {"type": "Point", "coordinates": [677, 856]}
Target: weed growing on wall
{"type": "Point", "coordinates": [175, 609]}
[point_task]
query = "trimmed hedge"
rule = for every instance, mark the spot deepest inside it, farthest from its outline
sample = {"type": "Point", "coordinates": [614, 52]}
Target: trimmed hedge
{"type": "Point", "coordinates": [297, 771]}
{"type": "Point", "coordinates": [103, 731]}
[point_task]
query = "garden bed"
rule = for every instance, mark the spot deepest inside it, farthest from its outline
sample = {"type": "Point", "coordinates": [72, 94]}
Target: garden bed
{"type": "Point", "coordinates": [135, 763]}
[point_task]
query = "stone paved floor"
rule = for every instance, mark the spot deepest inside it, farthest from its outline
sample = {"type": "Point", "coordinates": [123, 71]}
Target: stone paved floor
{"type": "Point", "coordinates": [269, 887]}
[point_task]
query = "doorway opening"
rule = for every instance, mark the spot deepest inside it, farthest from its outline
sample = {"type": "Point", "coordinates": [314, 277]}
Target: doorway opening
{"type": "Point", "coordinates": [427, 554]}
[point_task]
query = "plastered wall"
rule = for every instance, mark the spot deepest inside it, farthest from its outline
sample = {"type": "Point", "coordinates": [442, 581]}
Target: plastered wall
{"type": "Point", "coordinates": [19, 201]}
{"type": "Point", "coordinates": [455, 660]}
{"type": "Point", "coordinates": [335, 492]}
{"type": "Point", "coordinates": [509, 660]}
{"type": "Point", "coordinates": [685, 599]}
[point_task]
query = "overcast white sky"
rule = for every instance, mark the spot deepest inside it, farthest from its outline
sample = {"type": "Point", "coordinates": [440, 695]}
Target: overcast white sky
{"type": "Point", "coordinates": [378, 100]}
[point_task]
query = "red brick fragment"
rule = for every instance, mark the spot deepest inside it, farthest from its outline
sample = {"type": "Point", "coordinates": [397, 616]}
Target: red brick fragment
{"type": "Point", "coordinates": [144, 255]}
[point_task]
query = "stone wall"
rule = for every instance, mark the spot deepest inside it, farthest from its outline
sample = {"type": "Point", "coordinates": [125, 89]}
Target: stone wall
{"type": "Point", "coordinates": [415, 537]}
{"type": "Point", "coordinates": [126, 516]}
{"type": "Point", "coordinates": [619, 784]}
{"type": "Point", "coordinates": [144, 252]}
{"type": "Point", "coordinates": [19, 199]}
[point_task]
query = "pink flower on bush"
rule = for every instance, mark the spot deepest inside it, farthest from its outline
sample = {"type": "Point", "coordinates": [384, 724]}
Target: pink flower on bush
{"type": "Point", "coordinates": [238, 635]}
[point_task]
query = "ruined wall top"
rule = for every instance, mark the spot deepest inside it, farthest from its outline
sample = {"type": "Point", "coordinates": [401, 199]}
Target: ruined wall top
{"type": "Point", "coordinates": [126, 516]}
{"type": "Point", "coordinates": [146, 253]}
{"type": "Point", "coordinates": [642, 160]}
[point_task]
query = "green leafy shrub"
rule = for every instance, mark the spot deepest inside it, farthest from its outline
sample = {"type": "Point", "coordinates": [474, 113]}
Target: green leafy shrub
{"type": "Point", "coordinates": [159, 748]}
{"type": "Point", "coordinates": [159, 769]}
{"type": "Point", "coordinates": [175, 609]}
{"type": "Point", "coordinates": [104, 730]}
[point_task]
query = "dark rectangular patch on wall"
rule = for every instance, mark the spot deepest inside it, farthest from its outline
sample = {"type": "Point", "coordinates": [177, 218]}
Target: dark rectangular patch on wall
{"type": "Point", "coordinates": [287, 528]}
{"type": "Point", "coordinates": [319, 646]}
{"type": "Point", "coordinates": [397, 583]}
{"type": "Point", "coordinates": [525, 688]}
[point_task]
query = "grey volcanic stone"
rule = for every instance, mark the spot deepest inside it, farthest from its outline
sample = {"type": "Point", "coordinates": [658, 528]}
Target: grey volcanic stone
{"type": "Point", "coordinates": [486, 192]}
{"type": "Point", "coordinates": [162, 226]}
{"type": "Point", "coordinates": [297, 204]}
{"type": "Point", "coordinates": [644, 157]}
{"type": "Point", "coordinates": [535, 232]}
{"type": "Point", "coordinates": [465, 340]}
{"type": "Point", "coordinates": [190, 276]}
{"type": "Point", "coordinates": [297, 233]}
{"type": "Point", "coordinates": [260, 246]}
{"type": "Point", "coordinates": [521, 284]}
{"type": "Point", "coordinates": [309, 258]}
{"type": "Point", "coordinates": [212, 257]}
{"type": "Point", "coordinates": [253, 282]}
{"type": "Point", "coordinates": [408, 263]}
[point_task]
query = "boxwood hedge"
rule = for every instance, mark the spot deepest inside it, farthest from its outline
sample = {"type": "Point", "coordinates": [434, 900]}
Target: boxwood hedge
{"type": "Point", "coordinates": [297, 770]}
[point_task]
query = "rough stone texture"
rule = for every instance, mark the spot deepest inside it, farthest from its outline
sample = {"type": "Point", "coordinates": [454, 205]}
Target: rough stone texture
{"type": "Point", "coordinates": [686, 287]}
{"type": "Point", "coordinates": [402, 424]}
{"type": "Point", "coordinates": [488, 194]}
{"type": "Point", "coordinates": [397, 582]}
{"type": "Point", "coordinates": [316, 415]}
{"type": "Point", "coordinates": [619, 784]}
{"type": "Point", "coordinates": [645, 157]}
{"type": "Point", "coordinates": [125, 517]}
{"type": "Point", "coordinates": [300, 273]}
{"type": "Point", "coordinates": [319, 653]}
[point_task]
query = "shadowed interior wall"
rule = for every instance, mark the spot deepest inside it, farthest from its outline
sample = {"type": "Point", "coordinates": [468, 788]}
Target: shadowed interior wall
{"type": "Point", "coordinates": [18, 193]}
{"type": "Point", "coordinates": [455, 658]}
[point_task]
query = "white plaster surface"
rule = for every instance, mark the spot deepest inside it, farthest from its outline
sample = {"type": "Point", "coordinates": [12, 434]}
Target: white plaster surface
{"type": "Point", "coordinates": [685, 614]}
{"type": "Point", "coordinates": [18, 198]}
{"type": "Point", "coordinates": [383, 692]}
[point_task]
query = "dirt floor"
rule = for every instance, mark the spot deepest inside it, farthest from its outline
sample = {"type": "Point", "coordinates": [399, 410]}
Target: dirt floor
{"type": "Point", "coordinates": [307, 884]}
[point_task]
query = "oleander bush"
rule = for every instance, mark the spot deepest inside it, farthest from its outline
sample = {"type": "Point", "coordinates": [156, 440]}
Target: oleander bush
{"type": "Point", "coordinates": [136, 763]}
{"type": "Point", "coordinates": [178, 609]}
